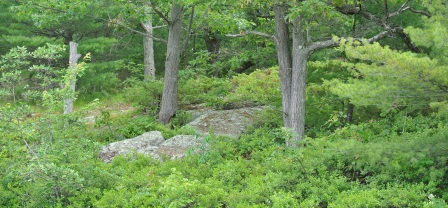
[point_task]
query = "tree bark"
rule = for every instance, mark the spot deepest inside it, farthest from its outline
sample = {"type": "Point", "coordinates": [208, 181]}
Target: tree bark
{"type": "Point", "coordinates": [74, 56]}
{"type": "Point", "coordinates": [148, 47]}
{"type": "Point", "coordinates": [169, 96]}
{"type": "Point", "coordinates": [298, 81]}
{"type": "Point", "coordinates": [284, 60]}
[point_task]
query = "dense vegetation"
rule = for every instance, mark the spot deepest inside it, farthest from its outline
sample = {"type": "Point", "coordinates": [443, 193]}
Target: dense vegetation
{"type": "Point", "coordinates": [376, 113]}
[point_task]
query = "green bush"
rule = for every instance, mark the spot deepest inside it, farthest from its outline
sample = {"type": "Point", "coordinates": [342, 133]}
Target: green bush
{"type": "Point", "coordinates": [202, 89]}
{"type": "Point", "coordinates": [144, 95]}
{"type": "Point", "coordinates": [261, 87]}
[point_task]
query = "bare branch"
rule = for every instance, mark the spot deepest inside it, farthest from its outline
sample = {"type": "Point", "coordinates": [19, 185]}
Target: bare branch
{"type": "Point", "coordinates": [251, 33]}
{"type": "Point", "coordinates": [157, 27]}
{"type": "Point", "coordinates": [404, 8]}
{"type": "Point", "coordinates": [158, 12]}
{"type": "Point", "coordinates": [152, 36]}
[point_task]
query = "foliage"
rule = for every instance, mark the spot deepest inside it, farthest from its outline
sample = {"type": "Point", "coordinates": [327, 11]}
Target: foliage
{"type": "Point", "coordinates": [48, 159]}
{"type": "Point", "coordinates": [26, 74]}
{"type": "Point", "coordinates": [391, 80]}
{"type": "Point", "coordinates": [261, 87]}
{"type": "Point", "coordinates": [203, 89]}
{"type": "Point", "coordinates": [145, 95]}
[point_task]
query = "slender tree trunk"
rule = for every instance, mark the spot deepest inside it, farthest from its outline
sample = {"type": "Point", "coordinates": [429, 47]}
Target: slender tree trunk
{"type": "Point", "coordinates": [298, 85]}
{"type": "Point", "coordinates": [284, 60]}
{"type": "Point", "coordinates": [350, 108]}
{"type": "Point", "coordinates": [148, 47]}
{"type": "Point", "coordinates": [74, 56]}
{"type": "Point", "coordinates": [190, 32]}
{"type": "Point", "coordinates": [169, 96]}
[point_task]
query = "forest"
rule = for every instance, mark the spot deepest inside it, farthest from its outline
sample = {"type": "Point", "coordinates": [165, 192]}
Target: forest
{"type": "Point", "coordinates": [353, 96]}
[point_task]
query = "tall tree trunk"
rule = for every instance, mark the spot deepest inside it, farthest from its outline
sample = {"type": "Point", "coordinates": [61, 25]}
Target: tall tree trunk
{"type": "Point", "coordinates": [148, 47]}
{"type": "Point", "coordinates": [284, 60]}
{"type": "Point", "coordinates": [169, 96]}
{"type": "Point", "coordinates": [74, 56]}
{"type": "Point", "coordinates": [298, 85]}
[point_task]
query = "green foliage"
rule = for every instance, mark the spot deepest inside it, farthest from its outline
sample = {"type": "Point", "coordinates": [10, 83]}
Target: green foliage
{"type": "Point", "coordinates": [261, 87]}
{"type": "Point", "coordinates": [203, 89]}
{"type": "Point", "coordinates": [26, 74]}
{"type": "Point", "coordinates": [50, 160]}
{"type": "Point", "coordinates": [391, 80]}
{"type": "Point", "coordinates": [145, 95]}
{"type": "Point", "coordinates": [434, 33]}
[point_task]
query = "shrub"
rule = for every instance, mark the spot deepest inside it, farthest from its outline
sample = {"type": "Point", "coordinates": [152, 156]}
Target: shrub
{"type": "Point", "coordinates": [145, 95]}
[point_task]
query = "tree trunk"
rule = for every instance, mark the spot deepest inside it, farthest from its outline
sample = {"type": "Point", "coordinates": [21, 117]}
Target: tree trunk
{"type": "Point", "coordinates": [190, 32]}
{"type": "Point", "coordinates": [169, 96]}
{"type": "Point", "coordinates": [284, 60]}
{"type": "Point", "coordinates": [350, 108]}
{"type": "Point", "coordinates": [298, 85]}
{"type": "Point", "coordinates": [74, 56]}
{"type": "Point", "coordinates": [148, 47]}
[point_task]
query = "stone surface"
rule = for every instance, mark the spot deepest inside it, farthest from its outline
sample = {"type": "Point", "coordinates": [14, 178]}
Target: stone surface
{"type": "Point", "coordinates": [224, 122]}
{"type": "Point", "coordinates": [177, 146]}
{"type": "Point", "coordinates": [146, 143]}
{"type": "Point", "coordinates": [152, 144]}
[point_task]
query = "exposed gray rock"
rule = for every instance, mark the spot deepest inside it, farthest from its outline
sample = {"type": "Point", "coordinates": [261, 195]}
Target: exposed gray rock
{"type": "Point", "coordinates": [224, 122]}
{"type": "Point", "coordinates": [146, 143]}
{"type": "Point", "coordinates": [177, 146]}
{"type": "Point", "coordinates": [152, 144]}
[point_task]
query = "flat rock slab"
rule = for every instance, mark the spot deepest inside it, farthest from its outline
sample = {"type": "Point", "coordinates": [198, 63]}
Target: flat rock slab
{"type": "Point", "coordinates": [224, 122]}
{"type": "Point", "coordinates": [151, 144]}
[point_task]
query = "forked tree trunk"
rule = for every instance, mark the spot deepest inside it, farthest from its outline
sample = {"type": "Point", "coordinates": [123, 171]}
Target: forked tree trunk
{"type": "Point", "coordinates": [148, 47]}
{"type": "Point", "coordinates": [169, 96]}
{"type": "Point", "coordinates": [70, 94]}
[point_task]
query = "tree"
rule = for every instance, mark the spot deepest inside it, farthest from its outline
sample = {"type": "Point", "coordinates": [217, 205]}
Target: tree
{"type": "Point", "coordinates": [169, 97]}
{"type": "Point", "coordinates": [69, 20]}
{"type": "Point", "coordinates": [303, 16]}
{"type": "Point", "coordinates": [391, 80]}
{"type": "Point", "coordinates": [74, 56]}
{"type": "Point", "coordinates": [140, 12]}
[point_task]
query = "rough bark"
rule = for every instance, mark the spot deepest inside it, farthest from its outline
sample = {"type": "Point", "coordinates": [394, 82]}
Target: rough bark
{"type": "Point", "coordinates": [298, 81]}
{"type": "Point", "coordinates": [148, 47]}
{"type": "Point", "coordinates": [169, 96]}
{"type": "Point", "coordinates": [284, 59]}
{"type": "Point", "coordinates": [74, 56]}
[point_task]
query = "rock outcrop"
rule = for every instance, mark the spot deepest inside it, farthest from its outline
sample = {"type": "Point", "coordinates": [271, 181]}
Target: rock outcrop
{"type": "Point", "coordinates": [151, 144]}
{"type": "Point", "coordinates": [224, 122]}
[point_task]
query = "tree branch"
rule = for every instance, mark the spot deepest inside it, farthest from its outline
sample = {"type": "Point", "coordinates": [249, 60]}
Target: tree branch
{"type": "Point", "coordinates": [152, 36]}
{"type": "Point", "coordinates": [251, 33]}
{"type": "Point", "coordinates": [158, 12]}
{"type": "Point", "coordinates": [333, 43]}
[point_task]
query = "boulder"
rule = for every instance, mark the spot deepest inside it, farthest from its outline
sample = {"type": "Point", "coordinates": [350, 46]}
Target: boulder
{"type": "Point", "coordinates": [224, 122]}
{"type": "Point", "coordinates": [146, 143]}
{"type": "Point", "coordinates": [178, 146]}
{"type": "Point", "coordinates": [152, 144]}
